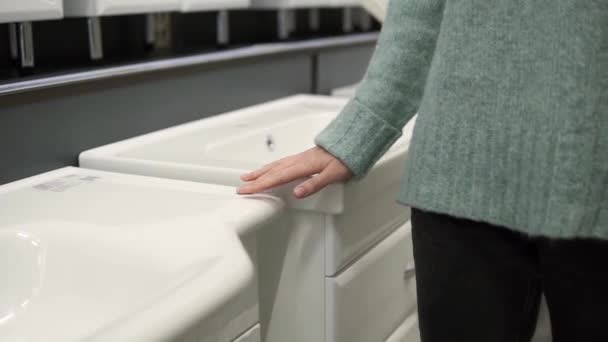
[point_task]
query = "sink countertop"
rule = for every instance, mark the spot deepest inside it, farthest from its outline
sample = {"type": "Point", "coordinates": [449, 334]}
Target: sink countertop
{"type": "Point", "coordinates": [97, 256]}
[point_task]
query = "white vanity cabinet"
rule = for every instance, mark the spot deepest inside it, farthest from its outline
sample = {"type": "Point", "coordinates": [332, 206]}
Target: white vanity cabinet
{"type": "Point", "coordinates": [338, 266]}
{"type": "Point", "coordinates": [373, 295]}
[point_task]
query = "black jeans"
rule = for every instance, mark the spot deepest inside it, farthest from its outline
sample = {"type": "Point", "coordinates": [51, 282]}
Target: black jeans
{"type": "Point", "coordinates": [482, 283]}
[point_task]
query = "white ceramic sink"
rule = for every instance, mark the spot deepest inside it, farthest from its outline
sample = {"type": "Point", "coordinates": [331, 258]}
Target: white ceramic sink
{"type": "Point", "coordinates": [95, 256]}
{"type": "Point", "coordinates": [270, 130]}
{"type": "Point", "coordinates": [213, 5]}
{"type": "Point", "coordinates": [95, 8]}
{"type": "Point", "coordinates": [219, 149]}
{"type": "Point", "coordinates": [30, 10]}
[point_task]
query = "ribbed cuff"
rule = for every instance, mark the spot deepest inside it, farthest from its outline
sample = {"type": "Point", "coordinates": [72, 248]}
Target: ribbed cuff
{"type": "Point", "coordinates": [358, 137]}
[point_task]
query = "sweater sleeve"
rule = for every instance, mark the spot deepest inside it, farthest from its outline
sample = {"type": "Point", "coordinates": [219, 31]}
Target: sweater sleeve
{"type": "Point", "coordinates": [392, 88]}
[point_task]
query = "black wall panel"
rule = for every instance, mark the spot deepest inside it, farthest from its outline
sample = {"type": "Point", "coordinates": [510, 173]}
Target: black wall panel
{"type": "Point", "coordinates": [340, 67]}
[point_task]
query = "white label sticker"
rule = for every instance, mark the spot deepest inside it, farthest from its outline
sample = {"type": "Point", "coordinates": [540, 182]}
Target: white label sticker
{"type": "Point", "coordinates": [65, 183]}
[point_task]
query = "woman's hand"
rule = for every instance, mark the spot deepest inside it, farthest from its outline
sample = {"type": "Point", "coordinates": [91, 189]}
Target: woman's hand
{"type": "Point", "coordinates": [315, 161]}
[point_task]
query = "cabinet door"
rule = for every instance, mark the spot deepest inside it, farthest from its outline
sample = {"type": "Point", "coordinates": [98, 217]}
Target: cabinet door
{"type": "Point", "coordinates": [253, 335]}
{"type": "Point", "coordinates": [407, 332]}
{"type": "Point", "coordinates": [375, 294]}
{"type": "Point", "coordinates": [350, 235]}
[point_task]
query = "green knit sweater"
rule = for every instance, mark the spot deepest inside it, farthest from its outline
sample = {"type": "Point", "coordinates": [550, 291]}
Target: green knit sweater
{"type": "Point", "coordinates": [512, 97]}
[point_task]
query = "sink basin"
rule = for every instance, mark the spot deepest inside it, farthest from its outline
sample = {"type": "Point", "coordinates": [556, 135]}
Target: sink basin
{"type": "Point", "coordinates": [271, 143]}
{"type": "Point", "coordinates": [115, 277]}
{"type": "Point", "coordinates": [95, 256]}
{"type": "Point", "coordinates": [30, 10]}
{"type": "Point", "coordinates": [95, 8]}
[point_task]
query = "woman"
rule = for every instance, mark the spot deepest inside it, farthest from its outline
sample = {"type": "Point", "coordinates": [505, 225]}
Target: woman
{"type": "Point", "coordinates": [507, 172]}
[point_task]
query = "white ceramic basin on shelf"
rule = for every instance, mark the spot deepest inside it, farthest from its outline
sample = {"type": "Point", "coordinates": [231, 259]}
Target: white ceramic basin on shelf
{"type": "Point", "coordinates": [219, 149]}
{"type": "Point", "coordinates": [96, 256]}
{"type": "Point", "coordinates": [213, 5]}
{"type": "Point", "coordinates": [207, 146]}
{"type": "Point", "coordinates": [30, 10]}
{"type": "Point", "coordinates": [96, 8]}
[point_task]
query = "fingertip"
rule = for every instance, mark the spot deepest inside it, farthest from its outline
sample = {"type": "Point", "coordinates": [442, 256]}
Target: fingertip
{"type": "Point", "coordinates": [300, 192]}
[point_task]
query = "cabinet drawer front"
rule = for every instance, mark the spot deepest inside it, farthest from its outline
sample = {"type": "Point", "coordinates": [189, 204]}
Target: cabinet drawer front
{"type": "Point", "coordinates": [351, 234]}
{"type": "Point", "coordinates": [369, 299]}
